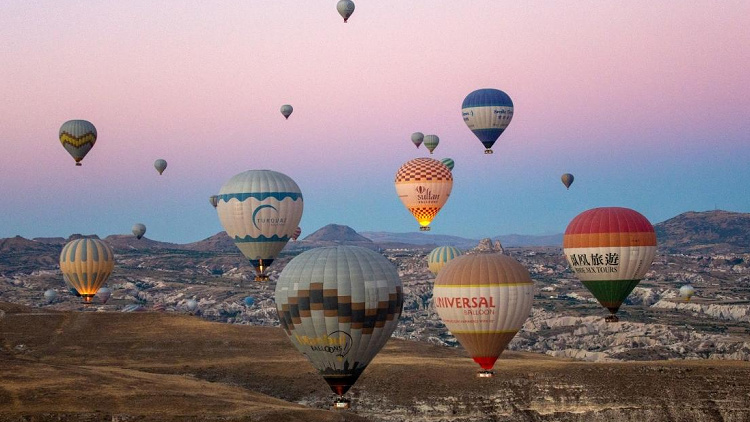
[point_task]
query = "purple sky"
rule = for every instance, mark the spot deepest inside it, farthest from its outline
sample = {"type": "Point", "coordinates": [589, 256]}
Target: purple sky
{"type": "Point", "coordinates": [646, 103]}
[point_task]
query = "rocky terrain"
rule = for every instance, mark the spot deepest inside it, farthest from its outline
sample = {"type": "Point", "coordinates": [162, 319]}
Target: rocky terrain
{"type": "Point", "coordinates": [710, 232]}
{"type": "Point", "coordinates": [112, 366]}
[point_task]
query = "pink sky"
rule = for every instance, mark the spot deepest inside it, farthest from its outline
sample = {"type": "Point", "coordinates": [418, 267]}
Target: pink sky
{"type": "Point", "coordinates": [659, 89]}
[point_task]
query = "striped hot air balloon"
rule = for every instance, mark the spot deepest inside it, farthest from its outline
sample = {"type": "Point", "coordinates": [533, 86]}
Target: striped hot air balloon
{"type": "Point", "coordinates": [86, 264]}
{"type": "Point", "coordinates": [448, 163]}
{"type": "Point", "coordinates": [483, 300]}
{"type": "Point", "coordinates": [440, 256]}
{"type": "Point", "coordinates": [296, 234]}
{"type": "Point", "coordinates": [417, 138]}
{"type": "Point", "coordinates": [77, 137]}
{"type": "Point", "coordinates": [487, 112]}
{"type": "Point", "coordinates": [431, 142]}
{"type": "Point", "coordinates": [610, 249]}
{"type": "Point", "coordinates": [339, 306]}
{"type": "Point", "coordinates": [424, 185]}
{"type": "Point", "coordinates": [260, 210]}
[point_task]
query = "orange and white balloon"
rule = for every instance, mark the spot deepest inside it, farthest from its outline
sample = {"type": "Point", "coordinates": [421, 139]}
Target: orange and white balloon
{"type": "Point", "coordinates": [610, 249]}
{"type": "Point", "coordinates": [483, 299]}
{"type": "Point", "coordinates": [424, 185]}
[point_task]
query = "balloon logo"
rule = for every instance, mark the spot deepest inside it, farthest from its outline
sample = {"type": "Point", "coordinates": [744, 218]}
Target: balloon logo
{"type": "Point", "coordinates": [424, 185]}
{"type": "Point", "coordinates": [610, 250]}
{"type": "Point", "coordinates": [487, 112]}
{"type": "Point", "coordinates": [259, 209]}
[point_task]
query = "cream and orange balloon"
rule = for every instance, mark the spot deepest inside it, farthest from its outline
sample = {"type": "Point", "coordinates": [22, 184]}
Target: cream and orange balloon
{"type": "Point", "coordinates": [484, 300]}
{"type": "Point", "coordinates": [86, 264]}
{"type": "Point", "coordinates": [424, 185]}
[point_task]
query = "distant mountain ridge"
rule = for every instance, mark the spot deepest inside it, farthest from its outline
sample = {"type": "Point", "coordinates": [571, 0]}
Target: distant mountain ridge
{"type": "Point", "coordinates": [705, 232]}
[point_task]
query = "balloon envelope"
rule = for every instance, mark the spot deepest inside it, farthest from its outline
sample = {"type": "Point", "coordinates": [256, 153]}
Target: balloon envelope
{"type": "Point", "coordinates": [431, 142]}
{"type": "Point", "coordinates": [440, 256]}
{"type": "Point", "coordinates": [686, 292]}
{"type": "Point", "coordinates": [567, 179]}
{"type": "Point", "coordinates": [487, 112]}
{"type": "Point", "coordinates": [483, 299]}
{"type": "Point", "coordinates": [160, 165]}
{"type": "Point", "coordinates": [296, 234]}
{"type": "Point", "coordinates": [610, 249]}
{"type": "Point", "coordinates": [345, 9]}
{"type": "Point", "coordinates": [104, 294]}
{"type": "Point", "coordinates": [77, 137]}
{"type": "Point", "coordinates": [448, 162]}
{"type": "Point", "coordinates": [139, 230]}
{"type": "Point", "coordinates": [50, 295]}
{"type": "Point", "coordinates": [260, 210]}
{"type": "Point", "coordinates": [424, 185]}
{"type": "Point", "coordinates": [417, 138]}
{"type": "Point", "coordinates": [249, 301]}
{"type": "Point", "coordinates": [213, 200]}
{"type": "Point", "coordinates": [87, 264]}
{"type": "Point", "coordinates": [286, 110]}
{"type": "Point", "coordinates": [339, 306]}
{"type": "Point", "coordinates": [191, 305]}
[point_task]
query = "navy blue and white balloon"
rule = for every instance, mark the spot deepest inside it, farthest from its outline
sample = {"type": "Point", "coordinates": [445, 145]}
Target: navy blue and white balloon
{"type": "Point", "coordinates": [487, 112]}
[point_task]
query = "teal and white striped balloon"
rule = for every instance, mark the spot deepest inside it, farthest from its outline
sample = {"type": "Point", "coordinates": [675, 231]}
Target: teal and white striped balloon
{"type": "Point", "coordinates": [440, 256]}
{"type": "Point", "coordinates": [448, 163]}
{"type": "Point", "coordinates": [260, 210]}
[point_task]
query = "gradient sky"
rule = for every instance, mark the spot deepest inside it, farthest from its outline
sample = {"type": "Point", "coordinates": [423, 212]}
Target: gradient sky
{"type": "Point", "coordinates": [646, 103]}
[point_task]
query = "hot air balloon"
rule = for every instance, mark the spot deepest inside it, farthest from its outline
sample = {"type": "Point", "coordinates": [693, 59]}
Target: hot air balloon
{"type": "Point", "coordinates": [610, 250]}
{"type": "Point", "coordinates": [483, 299]}
{"type": "Point", "coordinates": [286, 110]}
{"type": "Point", "coordinates": [423, 185]}
{"type": "Point", "coordinates": [345, 9]}
{"type": "Point", "coordinates": [77, 137]}
{"type": "Point", "coordinates": [159, 307]}
{"type": "Point", "coordinates": [448, 162]}
{"type": "Point", "coordinates": [71, 289]}
{"type": "Point", "coordinates": [139, 230]}
{"type": "Point", "coordinates": [296, 234]}
{"type": "Point", "coordinates": [339, 306]}
{"type": "Point", "coordinates": [213, 200]}
{"type": "Point", "coordinates": [160, 165]}
{"type": "Point", "coordinates": [260, 209]}
{"type": "Point", "coordinates": [567, 179]}
{"type": "Point", "coordinates": [104, 294]}
{"type": "Point", "coordinates": [431, 142]}
{"type": "Point", "coordinates": [86, 264]}
{"type": "Point", "coordinates": [487, 112]}
{"type": "Point", "coordinates": [50, 295]}
{"type": "Point", "coordinates": [440, 256]}
{"type": "Point", "coordinates": [417, 138]}
{"type": "Point", "coordinates": [686, 292]}
{"type": "Point", "coordinates": [249, 301]}
{"type": "Point", "coordinates": [191, 305]}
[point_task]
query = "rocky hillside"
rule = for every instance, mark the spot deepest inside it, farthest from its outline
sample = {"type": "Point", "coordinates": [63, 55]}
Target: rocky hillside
{"type": "Point", "coordinates": [713, 232]}
{"type": "Point", "coordinates": [336, 233]}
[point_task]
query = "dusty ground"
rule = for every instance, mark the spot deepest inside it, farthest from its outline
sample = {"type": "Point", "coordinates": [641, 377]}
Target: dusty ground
{"type": "Point", "coordinates": [105, 366]}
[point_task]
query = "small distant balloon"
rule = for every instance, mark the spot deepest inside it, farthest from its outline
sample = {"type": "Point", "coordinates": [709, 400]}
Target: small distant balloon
{"type": "Point", "coordinates": [160, 165]}
{"type": "Point", "coordinates": [104, 294]}
{"type": "Point", "coordinates": [159, 307]}
{"type": "Point", "coordinates": [448, 162]}
{"type": "Point", "coordinates": [213, 200]}
{"type": "Point", "coordinates": [286, 110]}
{"type": "Point", "coordinates": [191, 305]}
{"type": "Point", "coordinates": [417, 138]}
{"type": "Point", "coordinates": [249, 301]}
{"type": "Point", "coordinates": [77, 137]}
{"type": "Point", "coordinates": [686, 292]}
{"type": "Point", "coordinates": [567, 180]}
{"type": "Point", "coordinates": [431, 142]}
{"type": "Point", "coordinates": [50, 295]}
{"type": "Point", "coordinates": [139, 230]}
{"type": "Point", "coordinates": [345, 9]}
{"type": "Point", "coordinates": [296, 234]}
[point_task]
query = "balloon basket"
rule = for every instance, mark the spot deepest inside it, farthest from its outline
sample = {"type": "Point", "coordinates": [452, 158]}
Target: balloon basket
{"type": "Point", "coordinates": [87, 299]}
{"type": "Point", "coordinates": [485, 374]}
{"type": "Point", "coordinates": [261, 277]}
{"type": "Point", "coordinates": [612, 318]}
{"type": "Point", "coordinates": [341, 403]}
{"type": "Point", "coordinates": [424, 228]}
{"type": "Point", "coordinates": [488, 151]}
{"type": "Point", "coordinates": [79, 164]}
